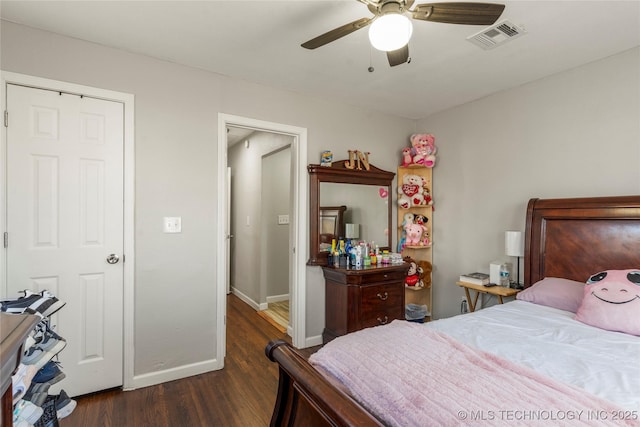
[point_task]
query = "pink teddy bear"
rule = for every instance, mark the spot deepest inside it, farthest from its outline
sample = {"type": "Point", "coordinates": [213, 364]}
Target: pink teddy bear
{"type": "Point", "coordinates": [424, 149]}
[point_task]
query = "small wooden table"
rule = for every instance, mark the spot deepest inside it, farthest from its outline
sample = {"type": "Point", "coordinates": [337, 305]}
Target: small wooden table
{"type": "Point", "coordinates": [498, 291]}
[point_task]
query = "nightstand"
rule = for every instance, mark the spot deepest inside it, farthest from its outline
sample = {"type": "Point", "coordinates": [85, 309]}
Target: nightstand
{"type": "Point", "coordinates": [498, 291]}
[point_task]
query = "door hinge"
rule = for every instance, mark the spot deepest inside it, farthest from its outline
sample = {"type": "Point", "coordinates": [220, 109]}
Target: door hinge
{"type": "Point", "coordinates": [6, 118]}
{"type": "Point", "coordinates": [6, 239]}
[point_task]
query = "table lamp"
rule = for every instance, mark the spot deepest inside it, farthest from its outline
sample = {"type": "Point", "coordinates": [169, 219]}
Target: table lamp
{"type": "Point", "coordinates": [352, 231]}
{"type": "Point", "coordinates": [514, 246]}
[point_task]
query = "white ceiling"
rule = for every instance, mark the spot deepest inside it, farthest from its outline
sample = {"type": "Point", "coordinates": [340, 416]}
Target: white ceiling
{"type": "Point", "coordinates": [259, 41]}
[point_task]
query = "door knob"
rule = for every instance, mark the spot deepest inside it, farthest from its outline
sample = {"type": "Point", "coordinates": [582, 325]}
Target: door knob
{"type": "Point", "coordinates": [113, 259]}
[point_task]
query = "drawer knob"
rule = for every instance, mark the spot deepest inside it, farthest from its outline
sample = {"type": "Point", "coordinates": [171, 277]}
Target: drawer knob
{"type": "Point", "coordinates": [383, 297]}
{"type": "Point", "coordinates": [383, 321]}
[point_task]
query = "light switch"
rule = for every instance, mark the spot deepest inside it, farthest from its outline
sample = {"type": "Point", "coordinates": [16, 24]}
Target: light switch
{"type": "Point", "coordinates": [172, 224]}
{"type": "Point", "coordinates": [283, 219]}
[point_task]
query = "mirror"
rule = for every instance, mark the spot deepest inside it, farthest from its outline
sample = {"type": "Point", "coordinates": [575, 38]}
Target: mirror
{"type": "Point", "coordinates": [331, 225]}
{"type": "Point", "coordinates": [348, 200]}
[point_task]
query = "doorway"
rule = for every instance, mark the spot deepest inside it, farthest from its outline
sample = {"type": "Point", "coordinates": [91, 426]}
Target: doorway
{"type": "Point", "coordinates": [297, 221]}
{"type": "Point", "coordinates": [259, 235]}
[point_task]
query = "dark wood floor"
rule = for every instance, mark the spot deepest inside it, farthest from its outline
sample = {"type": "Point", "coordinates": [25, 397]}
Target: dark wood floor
{"type": "Point", "coordinates": [241, 394]}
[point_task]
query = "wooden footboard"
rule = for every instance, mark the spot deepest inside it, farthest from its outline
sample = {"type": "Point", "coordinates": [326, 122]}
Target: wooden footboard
{"type": "Point", "coordinates": [306, 398]}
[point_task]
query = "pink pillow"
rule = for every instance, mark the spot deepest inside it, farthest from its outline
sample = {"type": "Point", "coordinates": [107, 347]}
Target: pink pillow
{"type": "Point", "coordinates": [612, 301]}
{"type": "Point", "coordinates": [563, 294]}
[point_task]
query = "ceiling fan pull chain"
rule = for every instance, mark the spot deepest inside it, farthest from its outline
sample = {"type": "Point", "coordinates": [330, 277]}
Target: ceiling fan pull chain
{"type": "Point", "coordinates": [371, 69]}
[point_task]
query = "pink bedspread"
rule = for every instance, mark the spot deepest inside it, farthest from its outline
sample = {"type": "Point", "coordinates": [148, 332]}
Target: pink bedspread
{"type": "Point", "coordinates": [409, 375]}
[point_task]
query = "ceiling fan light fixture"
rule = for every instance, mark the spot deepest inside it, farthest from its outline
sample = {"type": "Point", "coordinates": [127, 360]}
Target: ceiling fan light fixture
{"type": "Point", "coordinates": [390, 32]}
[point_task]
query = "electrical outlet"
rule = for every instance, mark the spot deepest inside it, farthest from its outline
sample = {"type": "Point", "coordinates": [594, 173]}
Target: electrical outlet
{"type": "Point", "coordinates": [172, 224]}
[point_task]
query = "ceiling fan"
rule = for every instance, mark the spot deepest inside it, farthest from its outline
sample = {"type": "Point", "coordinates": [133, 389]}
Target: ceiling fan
{"type": "Point", "coordinates": [391, 29]}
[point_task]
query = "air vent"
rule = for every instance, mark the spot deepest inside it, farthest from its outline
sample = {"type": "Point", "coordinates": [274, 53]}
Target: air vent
{"type": "Point", "coordinates": [496, 35]}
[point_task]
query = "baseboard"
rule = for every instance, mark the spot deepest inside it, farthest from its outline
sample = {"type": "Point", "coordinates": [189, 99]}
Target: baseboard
{"type": "Point", "coordinates": [277, 298]}
{"type": "Point", "coordinates": [313, 341]}
{"type": "Point", "coordinates": [180, 372]}
{"type": "Point", "coordinates": [247, 300]}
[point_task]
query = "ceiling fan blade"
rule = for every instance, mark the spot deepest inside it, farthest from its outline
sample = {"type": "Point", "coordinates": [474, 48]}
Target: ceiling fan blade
{"type": "Point", "coordinates": [336, 33]}
{"type": "Point", "coordinates": [459, 13]}
{"type": "Point", "coordinates": [399, 56]}
{"type": "Point", "coordinates": [368, 2]}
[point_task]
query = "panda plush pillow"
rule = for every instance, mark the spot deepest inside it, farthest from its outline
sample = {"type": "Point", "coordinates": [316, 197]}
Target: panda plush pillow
{"type": "Point", "coordinates": [611, 301]}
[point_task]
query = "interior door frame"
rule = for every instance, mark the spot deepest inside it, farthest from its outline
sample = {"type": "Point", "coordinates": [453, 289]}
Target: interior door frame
{"type": "Point", "coordinates": [298, 230]}
{"type": "Point", "coordinates": [127, 100]}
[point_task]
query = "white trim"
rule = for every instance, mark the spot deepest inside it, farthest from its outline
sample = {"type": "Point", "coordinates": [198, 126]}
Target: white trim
{"type": "Point", "coordinates": [299, 223]}
{"type": "Point", "coordinates": [313, 341]}
{"type": "Point", "coordinates": [244, 298]}
{"type": "Point", "coordinates": [129, 197]}
{"type": "Point", "coordinates": [277, 298]}
{"type": "Point", "coordinates": [177, 373]}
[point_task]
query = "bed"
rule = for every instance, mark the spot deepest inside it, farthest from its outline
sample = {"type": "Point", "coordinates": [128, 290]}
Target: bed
{"type": "Point", "coordinates": [535, 369]}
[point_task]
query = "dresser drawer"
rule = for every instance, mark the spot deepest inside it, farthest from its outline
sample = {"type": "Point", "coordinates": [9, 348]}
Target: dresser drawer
{"type": "Point", "coordinates": [384, 276]}
{"type": "Point", "coordinates": [378, 300]}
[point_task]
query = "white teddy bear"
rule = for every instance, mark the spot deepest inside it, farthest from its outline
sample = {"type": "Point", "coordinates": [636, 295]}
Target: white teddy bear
{"type": "Point", "coordinates": [411, 192]}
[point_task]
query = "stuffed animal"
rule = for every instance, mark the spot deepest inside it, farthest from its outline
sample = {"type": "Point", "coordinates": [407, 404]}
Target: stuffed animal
{"type": "Point", "coordinates": [406, 220]}
{"type": "Point", "coordinates": [427, 196]}
{"type": "Point", "coordinates": [414, 275]}
{"type": "Point", "coordinates": [426, 267]}
{"type": "Point", "coordinates": [407, 159]}
{"type": "Point", "coordinates": [411, 191]}
{"type": "Point", "coordinates": [423, 149]}
{"type": "Point", "coordinates": [402, 242]}
{"type": "Point", "coordinates": [420, 219]}
{"type": "Point", "coordinates": [409, 218]}
{"type": "Point", "coordinates": [611, 301]}
{"type": "Point", "coordinates": [414, 234]}
{"type": "Point", "coordinates": [425, 241]}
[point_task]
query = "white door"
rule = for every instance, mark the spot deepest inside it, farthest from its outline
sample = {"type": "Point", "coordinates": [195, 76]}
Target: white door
{"type": "Point", "coordinates": [64, 219]}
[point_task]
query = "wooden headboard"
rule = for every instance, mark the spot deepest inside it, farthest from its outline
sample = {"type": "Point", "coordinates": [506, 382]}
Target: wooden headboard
{"type": "Point", "coordinates": [574, 238]}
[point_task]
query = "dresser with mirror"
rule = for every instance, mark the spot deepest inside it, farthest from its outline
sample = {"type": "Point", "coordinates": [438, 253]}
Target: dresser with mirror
{"type": "Point", "coordinates": [368, 296]}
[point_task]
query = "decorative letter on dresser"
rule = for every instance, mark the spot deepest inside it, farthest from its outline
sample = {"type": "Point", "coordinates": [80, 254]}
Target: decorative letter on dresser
{"type": "Point", "coordinates": [360, 298]}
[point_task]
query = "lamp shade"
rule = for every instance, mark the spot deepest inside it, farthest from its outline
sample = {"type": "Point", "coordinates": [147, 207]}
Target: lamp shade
{"type": "Point", "coordinates": [390, 32]}
{"type": "Point", "coordinates": [352, 231]}
{"type": "Point", "coordinates": [513, 243]}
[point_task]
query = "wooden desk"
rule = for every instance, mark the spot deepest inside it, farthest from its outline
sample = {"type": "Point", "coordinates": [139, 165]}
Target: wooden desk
{"type": "Point", "coordinates": [498, 291]}
{"type": "Point", "coordinates": [14, 329]}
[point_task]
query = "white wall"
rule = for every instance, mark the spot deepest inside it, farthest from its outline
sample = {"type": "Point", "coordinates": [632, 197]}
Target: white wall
{"type": "Point", "coordinates": [573, 134]}
{"type": "Point", "coordinates": [276, 178]}
{"type": "Point", "coordinates": [252, 209]}
{"type": "Point", "coordinates": [176, 145]}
